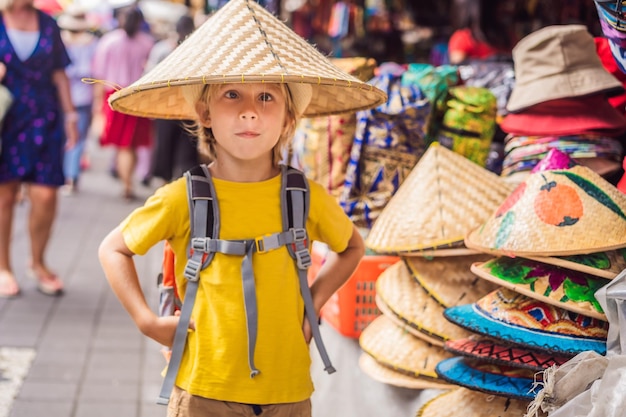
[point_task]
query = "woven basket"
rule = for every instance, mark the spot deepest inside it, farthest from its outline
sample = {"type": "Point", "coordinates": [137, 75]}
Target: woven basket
{"type": "Point", "coordinates": [555, 213]}
{"type": "Point", "coordinates": [468, 403]}
{"type": "Point", "coordinates": [243, 43]}
{"type": "Point", "coordinates": [442, 199]}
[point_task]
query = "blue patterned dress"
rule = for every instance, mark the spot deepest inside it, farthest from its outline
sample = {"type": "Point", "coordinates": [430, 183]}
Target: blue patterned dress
{"type": "Point", "coordinates": [33, 136]}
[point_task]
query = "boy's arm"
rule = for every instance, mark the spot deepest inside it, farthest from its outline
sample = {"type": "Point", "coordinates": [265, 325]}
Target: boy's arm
{"type": "Point", "coordinates": [119, 268]}
{"type": "Point", "coordinates": [336, 270]}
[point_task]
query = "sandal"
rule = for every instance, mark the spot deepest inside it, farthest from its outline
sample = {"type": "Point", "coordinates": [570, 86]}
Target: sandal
{"type": "Point", "coordinates": [47, 284]}
{"type": "Point", "coordinates": [8, 286]}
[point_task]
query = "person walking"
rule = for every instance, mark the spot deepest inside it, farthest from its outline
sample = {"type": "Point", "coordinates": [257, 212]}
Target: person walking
{"type": "Point", "coordinates": [246, 109]}
{"type": "Point", "coordinates": [120, 59]}
{"type": "Point", "coordinates": [81, 46]}
{"type": "Point", "coordinates": [41, 122]}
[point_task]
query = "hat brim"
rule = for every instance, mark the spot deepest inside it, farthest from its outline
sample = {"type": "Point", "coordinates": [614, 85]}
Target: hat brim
{"type": "Point", "coordinates": [606, 264]}
{"type": "Point", "coordinates": [568, 116]}
{"type": "Point", "coordinates": [386, 375]}
{"type": "Point", "coordinates": [457, 371]}
{"type": "Point", "coordinates": [466, 402]}
{"type": "Point", "coordinates": [471, 318]}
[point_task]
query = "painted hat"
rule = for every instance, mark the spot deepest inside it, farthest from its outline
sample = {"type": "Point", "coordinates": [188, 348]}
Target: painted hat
{"type": "Point", "coordinates": [567, 116]}
{"type": "Point", "coordinates": [444, 196]}
{"type": "Point", "coordinates": [557, 62]}
{"type": "Point", "coordinates": [555, 213]}
{"type": "Point", "coordinates": [507, 354]}
{"type": "Point", "coordinates": [402, 299]}
{"type": "Point", "coordinates": [244, 43]}
{"type": "Point", "coordinates": [516, 318]}
{"type": "Point", "coordinates": [485, 377]}
{"type": "Point", "coordinates": [392, 346]}
{"type": "Point", "coordinates": [562, 287]}
{"type": "Point", "coordinates": [386, 375]}
{"type": "Point", "coordinates": [470, 403]}
{"type": "Point", "coordinates": [606, 264]}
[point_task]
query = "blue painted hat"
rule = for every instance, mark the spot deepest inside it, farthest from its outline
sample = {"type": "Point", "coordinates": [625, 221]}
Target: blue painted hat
{"type": "Point", "coordinates": [506, 315]}
{"type": "Point", "coordinates": [489, 378]}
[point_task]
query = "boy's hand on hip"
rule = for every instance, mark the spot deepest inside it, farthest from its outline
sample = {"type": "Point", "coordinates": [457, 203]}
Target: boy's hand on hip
{"type": "Point", "coordinates": [164, 329]}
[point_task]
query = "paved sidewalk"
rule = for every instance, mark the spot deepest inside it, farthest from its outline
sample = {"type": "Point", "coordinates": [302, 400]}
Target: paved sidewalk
{"type": "Point", "coordinates": [80, 355]}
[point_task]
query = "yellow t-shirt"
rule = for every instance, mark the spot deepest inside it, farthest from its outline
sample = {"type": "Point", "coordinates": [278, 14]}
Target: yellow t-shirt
{"type": "Point", "coordinates": [215, 361]}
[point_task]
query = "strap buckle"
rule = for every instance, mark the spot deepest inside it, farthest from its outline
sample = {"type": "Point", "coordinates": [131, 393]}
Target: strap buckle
{"type": "Point", "coordinates": [303, 258]}
{"type": "Point", "coordinates": [200, 244]}
{"type": "Point", "coordinates": [299, 235]}
{"type": "Point", "coordinates": [192, 270]}
{"type": "Point", "coordinates": [267, 243]}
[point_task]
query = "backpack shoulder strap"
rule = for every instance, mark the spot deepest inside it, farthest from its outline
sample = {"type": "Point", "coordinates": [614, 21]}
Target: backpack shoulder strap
{"type": "Point", "coordinates": [295, 199]}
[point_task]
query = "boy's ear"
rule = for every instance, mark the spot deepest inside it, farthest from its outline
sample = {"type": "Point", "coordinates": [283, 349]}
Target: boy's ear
{"type": "Point", "coordinates": [203, 114]}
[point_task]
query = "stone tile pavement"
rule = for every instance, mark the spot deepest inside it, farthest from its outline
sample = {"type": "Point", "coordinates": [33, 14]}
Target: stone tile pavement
{"type": "Point", "coordinates": [80, 355]}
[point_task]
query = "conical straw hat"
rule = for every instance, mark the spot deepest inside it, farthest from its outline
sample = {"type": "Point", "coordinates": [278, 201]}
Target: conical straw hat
{"type": "Point", "coordinates": [394, 348]}
{"type": "Point", "coordinates": [469, 403]}
{"type": "Point", "coordinates": [398, 293]}
{"type": "Point", "coordinates": [441, 200]}
{"type": "Point", "coordinates": [607, 264]}
{"type": "Point", "coordinates": [386, 375]}
{"type": "Point", "coordinates": [571, 290]}
{"type": "Point", "coordinates": [243, 43]}
{"type": "Point", "coordinates": [554, 213]}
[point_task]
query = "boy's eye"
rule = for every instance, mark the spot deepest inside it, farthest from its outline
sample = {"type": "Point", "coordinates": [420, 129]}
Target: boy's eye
{"type": "Point", "coordinates": [231, 94]}
{"type": "Point", "coordinates": [266, 97]}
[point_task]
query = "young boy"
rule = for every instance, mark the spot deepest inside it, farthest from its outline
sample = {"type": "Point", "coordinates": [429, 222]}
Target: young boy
{"type": "Point", "coordinates": [244, 127]}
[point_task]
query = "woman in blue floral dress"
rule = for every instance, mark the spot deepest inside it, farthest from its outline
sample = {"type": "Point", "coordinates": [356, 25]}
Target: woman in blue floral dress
{"type": "Point", "coordinates": [37, 128]}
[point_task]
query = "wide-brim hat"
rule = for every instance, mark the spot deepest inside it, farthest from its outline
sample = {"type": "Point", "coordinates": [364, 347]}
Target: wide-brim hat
{"type": "Point", "coordinates": [516, 318]}
{"type": "Point", "coordinates": [404, 301]}
{"type": "Point", "coordinates": [567, 116]}
{"type": "Point", "coordinates": [244, 43]}
{"type": "Point", "coordinates": [471, 403]}
{"type": "Point", "coordinates": [564, 288]}
{"type": "Point", "coordinates": [74, 18]}
{"type": "Point", "coordinates": [444, 197]}
{"type": "Point", "coordinates": [506, 354]}
{"type": "Point", "coordinates": [601, 264]}
{"type": "Point", "coordinates": [554, 213]}
{"type": "Point", "coordinates": [386, 375]}
{"type": "Point", "coordinates": [556, 62]}
{"type": "Point", "coordinates": [485, 377]}
{"type": "Point", "coordinates": [392, 346]}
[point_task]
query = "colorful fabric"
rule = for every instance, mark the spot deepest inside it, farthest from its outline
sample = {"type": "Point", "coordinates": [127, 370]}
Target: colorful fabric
{"type": "Point", "coordinates": [123, 130]}
{"type": "Point", "coordinates": [214, 363]}
{"type": "Point", "coordinates": [33, 136]}
{"type": "Point", "coordinates": [462, 40]}
{"type": "Point", "coordinates": [469, 122]}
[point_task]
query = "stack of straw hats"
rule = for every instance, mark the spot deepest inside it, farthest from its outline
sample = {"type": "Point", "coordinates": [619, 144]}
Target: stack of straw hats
{"type": "Point", "coordinates": [441, 200]}
{"type": "Point", "coordinates": [553, 252]}
{"type": "Point", "coordinates": [560, 101]}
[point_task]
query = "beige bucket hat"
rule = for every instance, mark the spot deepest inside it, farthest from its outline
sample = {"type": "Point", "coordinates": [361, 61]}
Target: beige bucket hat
{"type": "Point", "coordinates": [444, 197]}
{"type": "Point", "coordinates": [244, 43]}
{"type": "Point", "coordinates": [557, 62]}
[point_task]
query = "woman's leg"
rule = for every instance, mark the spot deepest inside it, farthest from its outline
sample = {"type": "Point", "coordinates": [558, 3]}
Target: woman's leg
{"type": "Point", "coordinates": [8, 198]}
{"type": "Point", "coordinates": [126, 162]}
{"type": "Point", "coordinates": [43, 208]}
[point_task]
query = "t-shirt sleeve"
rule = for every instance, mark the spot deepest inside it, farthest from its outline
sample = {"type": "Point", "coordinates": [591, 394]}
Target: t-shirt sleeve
{"type": "Point", "coordinates": [163, 216]}
{"type": "Point", "coordinates": [327, 222]}
{"type": "Point", "coordinates": [61, 58]}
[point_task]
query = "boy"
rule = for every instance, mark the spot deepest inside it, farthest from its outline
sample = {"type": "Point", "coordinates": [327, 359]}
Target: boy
{"type": "Point", "coordinates": [244, 127]}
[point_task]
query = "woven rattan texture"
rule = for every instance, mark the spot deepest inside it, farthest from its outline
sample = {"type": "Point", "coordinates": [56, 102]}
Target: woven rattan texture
{"type": "Point", "coordinates": [410, 302]}
{"type": "Point", "coordinates": [243, 42]}
{"type": "Point", "coordinates": [468, 403]}
{"type": "Point", "coordinates": [394, 347]}
{"type": "Point", "coordinates": [554, 213]}
{"type": "Point", "coordinates": [602, 264]}
{"type": "Point", "coordinates": [441, 200]}
{"type": "Point", "coordinates": [449, 280]}
{"type": "Point", "coordinates": [386, 375]}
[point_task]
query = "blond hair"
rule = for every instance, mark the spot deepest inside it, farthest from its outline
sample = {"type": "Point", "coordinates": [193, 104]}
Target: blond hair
{"type": "Point", "coordinates": [204, 135]}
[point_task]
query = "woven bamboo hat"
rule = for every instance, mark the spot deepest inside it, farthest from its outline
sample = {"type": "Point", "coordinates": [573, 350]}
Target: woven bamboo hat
{"type": "Point", "coordinates": [470, 403]}
{"type": "Point", "coordinates": [564, 288]}
{"type": "Point", "coordinates": [482, 376]}
{"type": "Point", "coordinates": [606, 264]}
{"type": "Point", "coordinates": [392, 346]}
{"type": "Point", "coordinates": [405, 302]}
{"type": "Point", "coordinates": [516, 318]}
{"type": "Point", "coordinates": [386, 375]}
{"type": "Point", "coordinates": [554, 213]}
{"type": "Point", "coordinates": [444, 197]}
{"type": "Point", "coordinates": [244, 43]}
{"type": "Point", "coordinates": [507, 354]}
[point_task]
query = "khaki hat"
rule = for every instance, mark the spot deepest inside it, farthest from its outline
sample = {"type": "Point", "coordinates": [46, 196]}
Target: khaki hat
{"type": "Point", "coordinates": [244, 43]}
{"type": "Point", "coordinates": [392, 346]}
{"type": "Point", "coordinates": [444, 197]}
{"type": "Point", "coordinates": [557, 62]}
{"type": "Point", "coordinates": [470, 403]}
{"type": "Point", "coordinates": [74, 18]}
{"type": "Point", "coordinates": [570, 290]}
{"type": "Point", "coordinates": [555, 213]}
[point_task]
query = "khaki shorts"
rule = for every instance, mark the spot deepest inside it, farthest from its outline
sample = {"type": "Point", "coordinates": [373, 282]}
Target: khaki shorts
{"type": "Point", "coordinates": [183, 404]}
